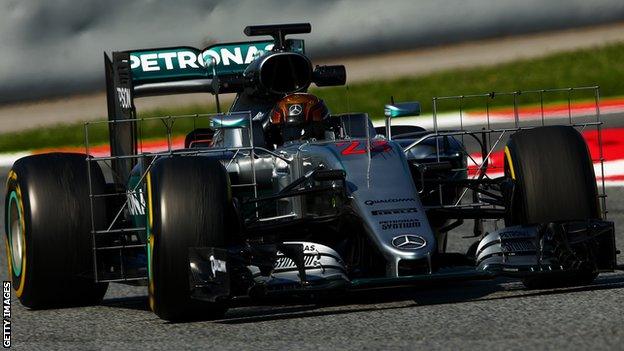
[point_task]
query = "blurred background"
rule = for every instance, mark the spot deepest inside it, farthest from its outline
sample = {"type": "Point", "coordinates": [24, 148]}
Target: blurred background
{"type": "Point", "coordinates": [55, 47]}
{"type": "Point", "coordinates": [51, 67]}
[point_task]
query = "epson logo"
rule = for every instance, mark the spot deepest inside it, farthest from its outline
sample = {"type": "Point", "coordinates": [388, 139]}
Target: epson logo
{"type": "Point", "coordinates": [184, 59]}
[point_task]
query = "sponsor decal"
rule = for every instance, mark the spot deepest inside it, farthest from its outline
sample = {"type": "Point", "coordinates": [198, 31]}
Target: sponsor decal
{"type": "Point", "coordinates": [394, 211]}
{"type": "Point", "coordinates": [515, 235]}
{"type": "Point", "coordinates": [136, 202]}
{"type": "Point", "coordinates": [295, 110]}
{"type": "Point", "coordinates": [358, 148]}
{"type": "Point", "coordinates": [409, 242]}
{"type": "Point", "coordinates": [399, 224]}
{"type": "Point", "coordinates": [239, 55]}
{"type": "Point", "coordinates": [190, 63]}
{"type": "Point", "coordinates": [286, 263]}
{"type": "Point", "coordinates": [125, 101]}
{"type": "Point", "coordinates": [152, 62]}
{"type": "Point", "coordinates": [217, 265]}
{"type": "Point", "coordinates": [186, 58]}
{"type": "Point", "coordinates": [389, 201]}
{"type": "Point", "coordinates": [6, 314]}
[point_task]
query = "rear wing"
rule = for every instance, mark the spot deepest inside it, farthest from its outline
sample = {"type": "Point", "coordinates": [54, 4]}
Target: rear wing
{"type": "Point", "coordinates": [173, 70]}
{"type": "Point", "coordinates": [278, 66]}
{"type": "Point", "coordinates": [187, 69]}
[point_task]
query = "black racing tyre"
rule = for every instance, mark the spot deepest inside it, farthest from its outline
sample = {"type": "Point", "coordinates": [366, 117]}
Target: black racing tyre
{"type": "Point", "coordinates": [188, 199]}
{"type": "Point", "coordinates": [554, 176]}
{"type": "Point", "coordinates": [48, 230]}
{"type": "Point", "coordinates": [554, 181]}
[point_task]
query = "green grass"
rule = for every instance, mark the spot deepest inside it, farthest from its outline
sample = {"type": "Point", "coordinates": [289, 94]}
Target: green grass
{"type": "Point", "coordinates": [74, 134]}
{"type": "Point", "coordinates": [596, 66]}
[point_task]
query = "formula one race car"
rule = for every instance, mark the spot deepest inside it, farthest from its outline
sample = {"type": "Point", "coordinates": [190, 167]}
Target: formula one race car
{"type": "Point", "coordinates": [278, 196]}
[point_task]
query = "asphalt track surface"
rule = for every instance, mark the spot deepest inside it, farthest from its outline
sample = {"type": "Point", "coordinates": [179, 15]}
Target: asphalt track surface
{"type": "Point", "coordinates": [497, 314]}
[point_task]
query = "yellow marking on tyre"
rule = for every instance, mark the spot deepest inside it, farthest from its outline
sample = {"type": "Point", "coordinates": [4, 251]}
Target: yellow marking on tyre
{"type": "Point", "coordinates": [511, 166]}
{"type": "Point", "coordinates": [11, 176]}
{"type": "Point", "coordinates": [20, 291]}
{"type": "Point", "coordinates": [149, 198]}
{"type": "Point", "coordinates": [150, 243]}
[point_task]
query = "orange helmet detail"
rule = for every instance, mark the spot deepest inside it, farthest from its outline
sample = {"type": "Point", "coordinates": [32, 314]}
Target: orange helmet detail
{"type": "Point", "coordinates": [299, 109]}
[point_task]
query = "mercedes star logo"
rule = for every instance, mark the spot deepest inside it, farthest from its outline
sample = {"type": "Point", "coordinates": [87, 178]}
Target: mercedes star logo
{"type": "Point", "coordinates": [409, 242]}
{"type": "Point", "coordinates": [295, 110]}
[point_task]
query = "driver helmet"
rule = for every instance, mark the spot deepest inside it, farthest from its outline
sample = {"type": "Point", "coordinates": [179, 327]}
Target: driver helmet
{"type": "Point", "coordinates": [299, 116]}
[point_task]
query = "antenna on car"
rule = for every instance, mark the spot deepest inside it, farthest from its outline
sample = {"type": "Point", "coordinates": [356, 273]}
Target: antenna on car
{"type": "Point", "coordinates": [348, 101]}
{"type": "Point", "coordinates": [343, 130]}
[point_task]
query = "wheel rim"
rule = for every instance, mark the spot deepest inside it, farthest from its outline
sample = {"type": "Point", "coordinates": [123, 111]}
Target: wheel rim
{"type": "Point", "coordinates": [15, 235]}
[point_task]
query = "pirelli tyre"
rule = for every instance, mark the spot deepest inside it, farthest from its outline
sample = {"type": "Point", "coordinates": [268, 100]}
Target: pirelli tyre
{"type": "Point", "coordinates": [187, 201]}
{"type": "Point", "coordinates": [48, 230]}
{"type": "Point", "coordinates": [554, 181]}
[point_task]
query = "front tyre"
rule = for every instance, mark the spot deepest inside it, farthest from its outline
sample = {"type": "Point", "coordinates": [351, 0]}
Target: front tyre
{"type": "Point", "coordinates": [187, 202]}
{"type": "Point", "coordinates": [554, 181]}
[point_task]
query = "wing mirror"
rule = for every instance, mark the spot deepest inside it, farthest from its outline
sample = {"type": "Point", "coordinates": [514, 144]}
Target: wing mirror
{"type": "Point", "coordinates": [401, 109]}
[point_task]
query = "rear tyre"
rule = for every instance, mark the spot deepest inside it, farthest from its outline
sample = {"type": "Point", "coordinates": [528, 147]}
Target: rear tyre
{"type": "Point", "coordinates": [188, 198]}
{"type": "Point", "coordinates": [48, 230]}
{"type": "Point", "coordinates": [554, 181]}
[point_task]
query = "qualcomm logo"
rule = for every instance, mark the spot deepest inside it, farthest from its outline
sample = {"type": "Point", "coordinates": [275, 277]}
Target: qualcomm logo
{"type": "Point", "coordinates": [184, 59]}
{"type": "Point", "coordinates": [409, 242]}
